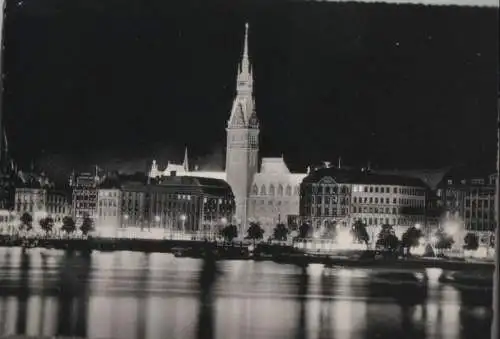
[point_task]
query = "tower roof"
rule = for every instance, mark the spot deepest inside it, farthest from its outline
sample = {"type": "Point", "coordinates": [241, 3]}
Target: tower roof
{"type": "Point", "coordinates": [243, 111]}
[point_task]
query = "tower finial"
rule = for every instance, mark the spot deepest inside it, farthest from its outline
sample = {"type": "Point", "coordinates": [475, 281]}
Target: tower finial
{"type": "Point", "coordinates": [245, 64]}
{"type": "Point", "coordinates": [245, 50]}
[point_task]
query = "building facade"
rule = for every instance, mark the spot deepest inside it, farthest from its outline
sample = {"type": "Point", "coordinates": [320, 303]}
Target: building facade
{"type": "Point", "coordinates": [177, 203]}
{"type": "Point", "coordinates": [41, 203]}
{"type": "Point", "coordinates": [109, 208]}
{"type": "Point", "coordinates": [84, 196]}
{"type": "Point", "coordinates": [341, 197]}
{"type": "Point", "coordinates": [469, 198]}
{"type": "Point", "coordinates": [267, 196]}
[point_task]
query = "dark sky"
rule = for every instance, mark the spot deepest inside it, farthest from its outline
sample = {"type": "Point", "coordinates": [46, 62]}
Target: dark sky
{"type": "Point", "coordinates": [115, 81]}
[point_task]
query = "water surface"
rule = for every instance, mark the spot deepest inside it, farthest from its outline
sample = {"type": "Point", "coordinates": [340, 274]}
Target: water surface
{"type": "Point", "coordinates": [147, 296]}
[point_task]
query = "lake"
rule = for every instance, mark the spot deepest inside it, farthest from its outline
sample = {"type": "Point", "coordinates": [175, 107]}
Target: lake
{"type": "Point", "coordinates": [133, 295]}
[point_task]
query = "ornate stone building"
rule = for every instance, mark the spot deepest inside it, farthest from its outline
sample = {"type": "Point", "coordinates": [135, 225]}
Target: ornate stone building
{"type": "Point", "coordinates": [337, 196]}
{"type": "Point", "coordinates": [41, 203]}
{"type": "Point", "coordinates": [269, 195]}
{"type": "Point", "coordinates": [469, 196]}
{"type": "Point", "coordinates": [176, 203]}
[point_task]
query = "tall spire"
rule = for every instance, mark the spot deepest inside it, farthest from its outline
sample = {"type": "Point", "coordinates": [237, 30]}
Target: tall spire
{"type": "Point", "coordinates": [185, 163]}
{"type": "Point", "coordinates": [245, 64]}
{"type": "Point", "coordinates": [245, 78]}
{"type": "Point", "coordinates": [243, 111]}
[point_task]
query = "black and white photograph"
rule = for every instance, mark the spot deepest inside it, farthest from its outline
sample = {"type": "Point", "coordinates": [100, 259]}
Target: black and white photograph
{"type": "Point", "coordinates": [243, 169]}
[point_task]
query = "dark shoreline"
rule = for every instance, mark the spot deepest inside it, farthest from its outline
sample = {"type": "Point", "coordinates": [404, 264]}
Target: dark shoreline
{"type": "Point", "coordinates": [236, 251]}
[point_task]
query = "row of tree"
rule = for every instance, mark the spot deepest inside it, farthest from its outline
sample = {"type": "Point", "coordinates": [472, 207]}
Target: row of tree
{"type": "Point", "coordinates": [386, 238]}
{"type": "Point", "coordinates": [281, 232]}
{"type": "Point", "coordinates": [411, 238]}
{"type": "Point", "coordinates": [47, 224]}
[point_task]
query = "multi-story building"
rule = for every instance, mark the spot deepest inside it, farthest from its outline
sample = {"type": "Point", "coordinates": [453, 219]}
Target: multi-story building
{"type": "Point", "coordinates": [42, 202]}
{"type": "Point", "coordinates": [84, 196]}
{"type": "Point", "coordinates": [469, 197]}
{"type": "Point", "coordinates": [336, 196]}
{"type": "Point", "coordinates": [109, 208]}
{"type": "Point", "coordinates": [178, 203]}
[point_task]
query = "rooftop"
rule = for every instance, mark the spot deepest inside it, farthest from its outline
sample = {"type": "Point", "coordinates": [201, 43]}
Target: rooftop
{"type": "Point", "coordinates": [350, 176]}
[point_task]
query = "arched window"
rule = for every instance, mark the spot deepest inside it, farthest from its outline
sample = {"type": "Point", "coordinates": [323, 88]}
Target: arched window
{"type": "Point", "coordinates": [263, 190]}
{"type": "Point", "coordinates": [271, 189]}
{"type": "Point", "coordinates": [280, 190]}
{"type": "Point", "coordinates": [296, 190]}
{"type": "Point", "coordinates": [288, 190]}
{"type": "Point", "coordinates": [255, 190]}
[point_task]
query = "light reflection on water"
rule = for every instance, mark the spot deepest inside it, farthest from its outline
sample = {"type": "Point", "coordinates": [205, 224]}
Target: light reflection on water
{"type": "Point", "coordinates": [134, 296]}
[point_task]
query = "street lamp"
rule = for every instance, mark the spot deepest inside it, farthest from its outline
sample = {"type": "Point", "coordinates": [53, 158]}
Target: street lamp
{"type": "Point", "coordinates": [125, 217]}
{"type": "Point", "coordinates": [183, 219]}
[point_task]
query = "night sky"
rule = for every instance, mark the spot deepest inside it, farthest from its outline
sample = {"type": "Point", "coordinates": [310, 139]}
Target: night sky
{"type": "Point", "coordinates": [118, 82]}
